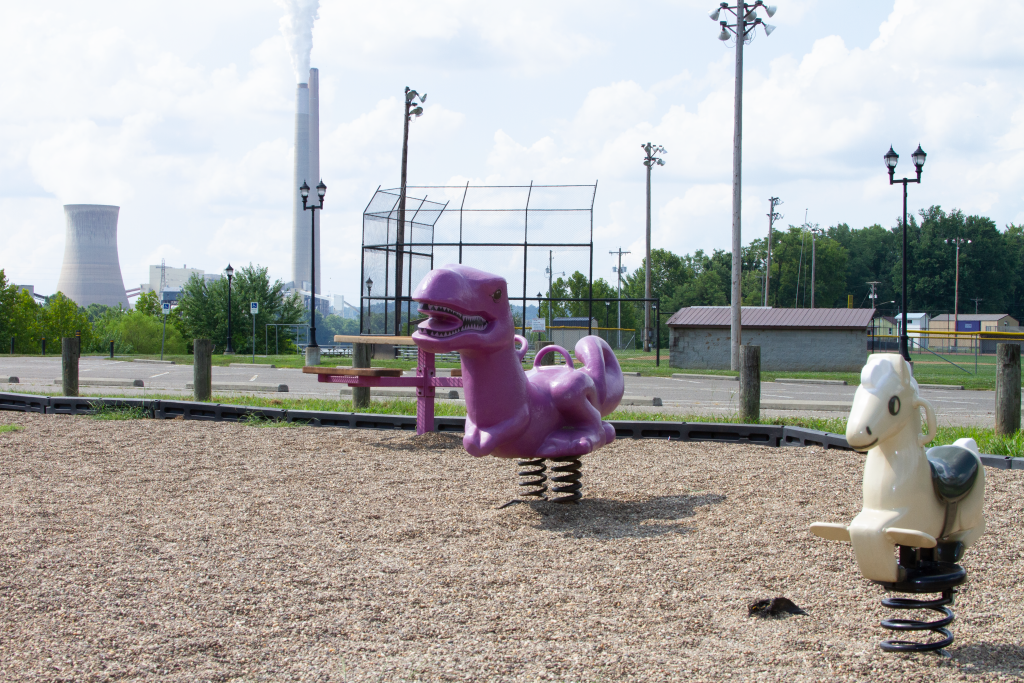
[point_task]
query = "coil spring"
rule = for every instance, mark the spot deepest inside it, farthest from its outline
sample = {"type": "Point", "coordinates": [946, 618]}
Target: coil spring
{"type": "Point", "coordinates": [566, 480]}
{"type": "Point", "coordinates": [938, 626]}
{"type": "Point", "coordinates": [532, 475]}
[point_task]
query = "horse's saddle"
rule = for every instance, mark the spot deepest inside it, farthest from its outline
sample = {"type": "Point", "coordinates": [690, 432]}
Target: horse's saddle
{"type": "Point", "coordinates": [954, 471]}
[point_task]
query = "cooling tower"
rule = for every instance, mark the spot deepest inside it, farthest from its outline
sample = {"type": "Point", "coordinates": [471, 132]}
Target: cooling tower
{"type": "Point", "coordinates": [91, 273]}
{"type": "Point", "coordinates": [307, 169]}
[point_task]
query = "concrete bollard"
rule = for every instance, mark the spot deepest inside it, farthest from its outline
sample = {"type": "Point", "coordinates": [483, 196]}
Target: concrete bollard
{"type": "Point", "coordinates": [750, 384]}
{"type": "Point", "coordinates": [312, 355]}
{"type": "Point", "coordinates": [1007, 388]}
{"type": "Point", "coordinates": [361, 359]}
{"type": "Point", "coordinates": [202, 369]}
{"type": "Point", "coordinates": [69, 365]}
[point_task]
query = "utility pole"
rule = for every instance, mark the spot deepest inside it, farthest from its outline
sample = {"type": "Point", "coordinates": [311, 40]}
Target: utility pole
{"type": "Point", "coordinates": [649, 161]}
{"type": "Point", "coordinates": [742, 31]}
{"type": "Point", "coordinates": [873, 296]}
{"type": "Point", "coordinates": [551, 274]}
{"type": "Point", "coordinates": [956, 291]}
{"type": "Point", "coordinates": [618, 272]}
{"type": "Point", "coordinates": [773, 216]}
{"type": "Point", "coordinates": [814, 233]}
{"type": "Point", "coordinates": [411, 109]}
{"type": "Point", "coordinates": [976, 300]}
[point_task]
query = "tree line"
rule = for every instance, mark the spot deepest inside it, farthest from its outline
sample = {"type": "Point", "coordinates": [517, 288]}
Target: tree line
{"type": "Point", "coordinates": [846, 260]}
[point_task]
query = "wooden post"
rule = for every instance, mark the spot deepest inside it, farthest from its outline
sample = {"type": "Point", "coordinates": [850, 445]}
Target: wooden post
{"type": "Point", "coordinates": [548, 359]}
{"type": "Point", "coordinates": [69, 365]}
{"type": "Point", "coordinates": [361, 359]}
{"type": "Point", "coordinates": [1007, 388]}
{"type": "Point", "coordinates": [202, 369]}
{"type": "Point", "coordinates": [750, 384]}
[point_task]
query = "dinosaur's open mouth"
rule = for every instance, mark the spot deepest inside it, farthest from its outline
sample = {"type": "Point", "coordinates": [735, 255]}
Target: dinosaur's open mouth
{"type": "Point", "coordinates": [443, 321]}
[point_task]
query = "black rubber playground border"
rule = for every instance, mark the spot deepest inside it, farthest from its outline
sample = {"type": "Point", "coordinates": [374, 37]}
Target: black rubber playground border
{"type": "Point", "coordinates": [163, 409]}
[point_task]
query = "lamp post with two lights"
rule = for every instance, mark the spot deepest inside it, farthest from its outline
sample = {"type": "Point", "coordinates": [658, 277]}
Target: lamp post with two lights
{"type": "Point", "coordinates": [891, 159]}
{"type": "Point", "coordinates": [312, 349]}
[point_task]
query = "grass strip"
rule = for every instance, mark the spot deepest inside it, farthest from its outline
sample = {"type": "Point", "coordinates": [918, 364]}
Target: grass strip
{"type": "Point", "coordinates": [9, 428]}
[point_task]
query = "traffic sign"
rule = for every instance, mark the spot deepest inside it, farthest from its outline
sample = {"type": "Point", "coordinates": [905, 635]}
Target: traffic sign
{"type": "Point", "coordinates": [254, 307]}
{"type": "Point", "coordinates": [166, 308]}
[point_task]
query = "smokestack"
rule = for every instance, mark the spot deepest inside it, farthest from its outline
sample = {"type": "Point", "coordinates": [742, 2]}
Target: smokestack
{"type": "Point", "coordinates": [91, 273]}
{"type": "Point", "coordinates": [307, 169]}
{"type": "Point", "coordinates": [300, 225]}
{"type": "Point", "coordinates": [314, 159]}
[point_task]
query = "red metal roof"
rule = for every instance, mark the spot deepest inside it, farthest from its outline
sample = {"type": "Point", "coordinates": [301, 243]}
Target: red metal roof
{"type": "Point", "coordinates": [760, 317]}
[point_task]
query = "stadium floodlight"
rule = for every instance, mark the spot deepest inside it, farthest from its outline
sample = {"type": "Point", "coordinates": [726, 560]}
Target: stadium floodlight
{"type": "Point", "coordinates": [714, 14]}
{"type": "Point", "coordinates": [743, 29]}
{"type": "Point", "coordinates": [411, 110]}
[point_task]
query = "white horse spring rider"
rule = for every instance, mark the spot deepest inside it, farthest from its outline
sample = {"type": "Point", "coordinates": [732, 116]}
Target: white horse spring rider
{"type": "Point", "coordinates": [910, 498]}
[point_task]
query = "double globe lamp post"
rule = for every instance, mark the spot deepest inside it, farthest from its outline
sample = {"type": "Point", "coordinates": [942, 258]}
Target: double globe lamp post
{"type": "Point", "coordinates": [312, 349]}
{"type": "Point", "coordinates": [891, 159]}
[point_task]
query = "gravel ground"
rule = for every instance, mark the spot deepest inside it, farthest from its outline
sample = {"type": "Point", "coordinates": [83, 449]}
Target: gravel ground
{"type": "Point", "coordinates": [190, 551]}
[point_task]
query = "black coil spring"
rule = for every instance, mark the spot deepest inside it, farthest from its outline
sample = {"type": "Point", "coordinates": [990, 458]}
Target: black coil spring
{"type": "Point", "coordinates": [532, 475]}
{"type": "Point", "coordinates": [565, 480]}
{"type": "Point", "coordinates": [938, 626]}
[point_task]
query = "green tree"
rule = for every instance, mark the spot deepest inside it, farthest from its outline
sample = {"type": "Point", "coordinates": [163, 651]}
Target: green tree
{"type": "Point", "coordinates": [62, 317]}
{"type": "Point", "coordinates": [8, 300]}
{"type": "Point", "coordinates": [203, 310]}
{"type": "Point", "coordinates": [148, 303]}
{"type": "Point", "coordinates": [25, 323]}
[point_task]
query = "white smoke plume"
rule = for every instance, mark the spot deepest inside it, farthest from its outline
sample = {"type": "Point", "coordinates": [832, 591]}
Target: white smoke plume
{"type": "Point", "coordinates": [297, 28]}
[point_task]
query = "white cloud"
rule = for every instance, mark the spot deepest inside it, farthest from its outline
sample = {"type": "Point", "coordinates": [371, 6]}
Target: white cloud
{"type": "Point", "coordinates": [187, 124]}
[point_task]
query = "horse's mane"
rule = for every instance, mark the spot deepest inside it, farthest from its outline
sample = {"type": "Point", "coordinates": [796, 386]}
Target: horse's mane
{"type": "Point", "coordinates": [882, 368]}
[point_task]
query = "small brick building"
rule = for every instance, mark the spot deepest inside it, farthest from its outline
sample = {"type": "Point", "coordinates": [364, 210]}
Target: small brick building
{"type": "Point", "coordinates": [795, 339]}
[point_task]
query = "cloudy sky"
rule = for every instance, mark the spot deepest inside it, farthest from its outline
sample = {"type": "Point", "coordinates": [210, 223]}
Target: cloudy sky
{"type": "Point", "coordinates": [182, 114]}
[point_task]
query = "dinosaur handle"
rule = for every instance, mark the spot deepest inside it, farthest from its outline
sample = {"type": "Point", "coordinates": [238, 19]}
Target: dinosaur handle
{"type": "Point", "coordinates": [524, 346]}
{"type": "Point", "coordinates": [929, 416]}
{"type": "Point", "coordinates": [551, 349]}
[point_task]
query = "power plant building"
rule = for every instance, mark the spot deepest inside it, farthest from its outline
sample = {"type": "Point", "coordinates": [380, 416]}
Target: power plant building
{"type": "Point", "coordinates": [91, 273]}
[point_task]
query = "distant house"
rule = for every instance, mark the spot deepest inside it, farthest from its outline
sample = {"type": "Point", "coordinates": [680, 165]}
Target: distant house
{"type": "Point", "coordinates": [971, 322]}
{"type": "Point", "coordinates": [795, 339]}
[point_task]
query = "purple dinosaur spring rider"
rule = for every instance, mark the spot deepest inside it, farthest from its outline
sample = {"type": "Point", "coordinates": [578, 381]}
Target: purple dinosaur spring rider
{"type": "Point", "coordinates": [550, 412]}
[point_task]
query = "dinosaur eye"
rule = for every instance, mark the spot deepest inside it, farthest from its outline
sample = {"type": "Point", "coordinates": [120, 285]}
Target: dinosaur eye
{"type": "Point", "coordinates": [894, 405]}
{"type": "Point", "coordinates": [496, 295]}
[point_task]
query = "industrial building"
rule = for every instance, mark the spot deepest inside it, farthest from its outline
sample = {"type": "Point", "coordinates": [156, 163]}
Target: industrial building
{"type": "Point", "coordinates": [791, 339]}
{"type": "Point", "coordinates": [91, 272]}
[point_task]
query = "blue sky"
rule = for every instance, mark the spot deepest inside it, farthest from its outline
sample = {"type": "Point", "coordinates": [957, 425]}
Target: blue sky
{"type": "Point", "coordinates": [181, 113]}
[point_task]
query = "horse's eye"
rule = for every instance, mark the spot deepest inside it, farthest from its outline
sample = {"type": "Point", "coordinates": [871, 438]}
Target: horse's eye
{"type": "Point", "coordinates": [894, 405]}
{"type": "Point", "coordinates": [496, 295]}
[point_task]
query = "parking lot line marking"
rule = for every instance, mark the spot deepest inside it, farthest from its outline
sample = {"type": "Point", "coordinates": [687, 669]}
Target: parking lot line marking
{"type": "Point", "coordinates": [253, 378]}
{"type": "Point", "coordinates": [161, 374]}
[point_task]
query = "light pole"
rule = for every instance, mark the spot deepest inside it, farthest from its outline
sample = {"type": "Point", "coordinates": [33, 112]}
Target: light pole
{"type": "Point", "coordinates": [773, 215]}
{"type": "Point", "coordinates": [369, 306]}
{"type": "Point", "coordinates": [743, 30]}
{"type": "Point", "coordinates": [230, 272]}
{"type": "Point", "coordinates": [956, 290]}
{"type": "Point", "coordinates": [649, 161]}
{"type": "Point", "coordinates": [891, 159]}
{"type": "Point", "coordinates": [619, 270]}
{"type": "Point", "coordinates": [411, 110]}
{"type": "Point", "coordinates": [312, 349]}
{"type": "Point", "coordinates": [814, 233]}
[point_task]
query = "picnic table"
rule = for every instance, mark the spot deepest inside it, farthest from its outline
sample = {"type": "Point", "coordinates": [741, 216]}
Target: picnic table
{"type": "Point", "coordinates": [426, 380]}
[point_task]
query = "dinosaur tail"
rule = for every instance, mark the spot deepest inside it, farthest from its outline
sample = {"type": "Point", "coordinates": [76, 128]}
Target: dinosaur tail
{"type": "Point", "coordinates": [600, 363]}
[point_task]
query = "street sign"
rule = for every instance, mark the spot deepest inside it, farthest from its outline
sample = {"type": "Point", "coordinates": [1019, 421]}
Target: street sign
{"type": "Point", "coordinates": [537, 324]}
{"type": "Point", "coordinates": [254, 307]}
{"type": "Point", "coordinates": [166, 308]}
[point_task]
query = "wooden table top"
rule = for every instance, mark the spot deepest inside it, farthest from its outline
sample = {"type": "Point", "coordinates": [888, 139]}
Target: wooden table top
{"type": "Point", "coordinates": [353, 372]}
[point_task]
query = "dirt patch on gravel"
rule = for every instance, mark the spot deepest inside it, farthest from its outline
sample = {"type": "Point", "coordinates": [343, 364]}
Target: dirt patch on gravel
{"type": "Point", "coordinates": [199, 551]}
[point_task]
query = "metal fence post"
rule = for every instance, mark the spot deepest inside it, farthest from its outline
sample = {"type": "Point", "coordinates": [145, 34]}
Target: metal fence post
{"type": "Point", "coordinates": [1007, 388]}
